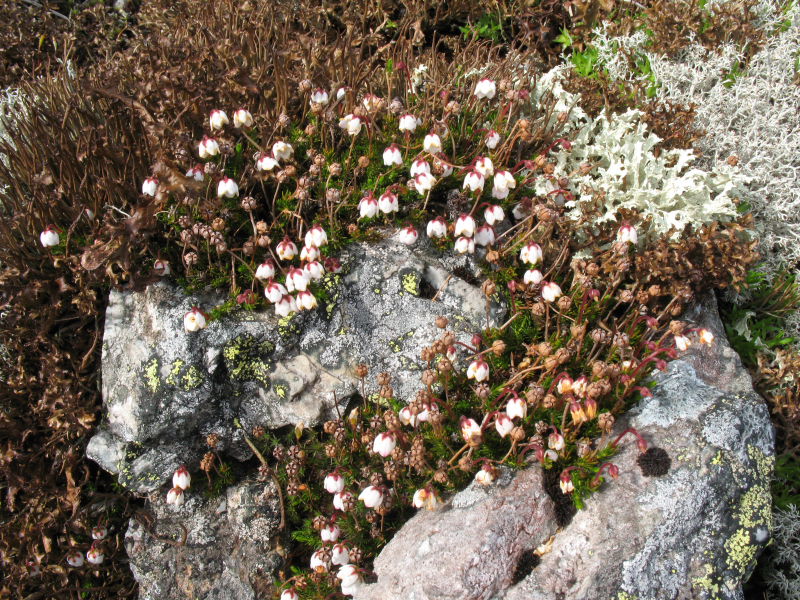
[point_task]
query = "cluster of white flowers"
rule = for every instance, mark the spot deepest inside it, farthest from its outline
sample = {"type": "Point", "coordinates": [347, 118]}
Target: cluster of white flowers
{"type": "Point", "coordinates": [95, 555]}
{"type": "Point", "coordinates": [181, 481]}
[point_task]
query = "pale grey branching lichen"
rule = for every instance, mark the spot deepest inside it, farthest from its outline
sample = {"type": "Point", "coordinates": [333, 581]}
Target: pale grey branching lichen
{"type": "Point", "coordinates": [782, 561]}
{"type": "Point", "coordinates": [666, 188]}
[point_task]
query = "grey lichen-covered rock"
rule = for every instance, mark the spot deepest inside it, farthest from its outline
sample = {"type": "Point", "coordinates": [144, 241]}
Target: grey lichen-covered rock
{"type": "Point", "coordinates": [207, 548]}
{"type": "Point", "coordinates": [692, 533]}
{"type": "Point", "coordinates": [165, 390]}
{"type": "Point", "coordinates": [470, 548]}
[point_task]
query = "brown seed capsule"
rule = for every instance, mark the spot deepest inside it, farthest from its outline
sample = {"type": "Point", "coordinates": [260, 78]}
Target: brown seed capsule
{"type": "Point", "coordinates": [492, 256]}
{"type": "Point", "coordinates": [441, 322]}
{"type": "Point", "coordinates": [539, 309]}
{"type": "Point", "coordinates": [465, 463]}
{"type": "Point", "coordinates": [550, 401]}
{"type": "Point", "coordinates": [605, 421]}
{"type": "Point", "coordinates": [626, 296]}
{"type": "Point", "coordinates": [363, 162]}
{"type": "Point", "coordinates": [259, 431]}
{"type": "Point", "coordinates": [440, 476]}
{"type": "Point", "coordinates": [449, 338]}
{"type": "Point", "coordinates": [551, 363]}
{"type": "Point", "coordinates": [489, 288]}
{"type": "Point", "coordinates": [518, 434]}
{"type": "Point", "coordinates": [335, 169]}
{"type": "Point", "coordinates": [733, 160]}
{"type": "Point", "coordinates": [263, 241]}
{"type": "Point", "coordinates": [428, 377]}
{"type": "Point", "coordinates": [482, 391]}
{"type": "Point", "coordinates": [534, 394]}
{"type": "Point", "coordinates": [498, 347]}
{"type": "Point", "coordinates": [362, 370]}
{"type": "Point", "coordinates": [427, 354]}
{"type": "Point", "coordinates": [212, 439]}
{"type": "Point", "coordinates": [564, 303]}
{"type": "Point", "coordinates": [208, 462]}
{"type": "Point", "coordinates": [383, 378]}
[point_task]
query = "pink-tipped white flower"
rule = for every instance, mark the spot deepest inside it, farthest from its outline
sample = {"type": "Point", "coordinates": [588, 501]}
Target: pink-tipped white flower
{"type": "Point", "coordinates": [275, 291]}
{"type": "Point", "coordinates": [551, 291]}
{"type": "Point", "coordinates": [296, 280]}
{"type": "Point", "coordinates": [392, 156]}
{"type": "Point", "coordinates": [478, 370]}
{"type": "Point", "coordinates": [309, 253]}
{"type": "Point", "coordinates": [314, 270]}
{"type": "Point", "coordinates": [408, 236]}
{"type": "Point", "coordinates": [484, 166]}
{"type": "Point", "coordinates": [465, 225]}
{"type": "Point", "coordinates": [265, 270]}
{"type": "Point", "coordinates": [492, 139]}
{"type": "Point", "coordinates": [319, 96]}
{"type": "Point", "coordinates": [493, 213]}
{"type": "Point", "coordinates": [350, 578]}
{"type": "Point", "coordinates": [474, 181]}
{"type": "Point", "coordinates": [564, 385]}
{"type": "Point", "coordinates": [565, 481]}
{"type": "Point", "coordinates": [502, 184]}
{"type": "Point", "coordinates": [194, 320]}
{"type": "Point", "coordinates": [464, 245]}
{"type": "Point", "coordinates": [75, 559]}
{"type": "Point", "coordinates": [208, 147]}
{"type": "Point", "coordinates": [227, 188]}
{"type": "Point", "coordinates": [425, 498]}
{"type": "Point", "coordinates": [368, 207]}
{"type": "Point", "coordinates": [432, 144]}
{"type": "Point", "coordinates": [95, 555]}
{"type": "Point", "coordinates": [49, 237]}
{"type": "Point", "coordinates": [484, 236]}
{"type": "Point", "coordinates": [161, 267]}
{"type": "Point", "coordinates": [242, 118]}
{"type": "Point", "coordinates": [408, 122]}
{"type": "Point", "coordinates": [290, 594]}
{"type": "Point", "coordinates": [437, 228]}
{"type": "Point", "coordinates": [176, 496]}
{"type": "Point", "coordinates": [196, 172]}
{"type": "Point", "coordinates": [286, 249]}
{"type": "Point", "coordinates": [306, 301]}
{"type": "Point", "coordinates": [423, 183]}
{"type": "Point", "coordinates": [555, 441]}
{"type": "Point", "coordinates": [579, 386]}
{"type": "Point", "coordinates": [340, 555]}
{"type": "Point", "coordinates": [388, 202]}
{"type": "Point", "coordinates": [371, 496]}
{"type": "Point", "coordinates": [282, 151]}
{"type": "Point", "coordinates": [342, 92]}
{"type": "Point", "coordinates": [627, 234]}
{"type": "Point", "coordinates": [330, 533]}
{"type": "Point", "coordinates": [384, 443]}
{"type": "Point", "coordinates": [533, 277]}
{"type": "Point", "coordinates": [149, 186]}
{"type": "Point", "coordinates": [285, 306]}
{"type": "Point", "coordinates": [351, 124]}
{"type": "Point", "coordinates": [531, 253]}
{"type": "Point", "coordinates": [503, 424]}
{"type": "Point", "coordinates": [218, 119]}
{"type": "Point", "coordinates": [333, 483]}
{"type": "Point", "coordinates": [407, 417]}
{"type": "Point", "coordinates": [266, 162]}
{"type": "Point", "coordinates": [485, 476]}
{"type": "Point", "coordinates": [516, 408]}
{"type": "Point", "coordinates": [470, 430]}
{"type": "Point", "coordinates": [316, 236]}
{"type": "Point", "coordinates": [100, 532]}
{"type": "Point", "coordinates": [419, 167]}
{"type": "Point", "coordinates": [319, 561]}
{"type": "Point", "coordinates": [181, 478]}
{"type": "Point", "coordinates": [682, 342]}
{"type": "Point", "coordinates": [485, 88]}
{"type": "Point", "coordinates": [343, 501]}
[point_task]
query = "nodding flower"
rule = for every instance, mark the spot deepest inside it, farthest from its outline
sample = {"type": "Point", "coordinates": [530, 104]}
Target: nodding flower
{"type": "Point", "coordinates": [484, 166]}
{"type": "Point", "coordinates": [470, 430]}
{"type": "Point", "coordinates": [432, 144]}
{"type": "Point", "coordinates": [485, 236]}
{"type": "Point", "coordinates": [196, 172]}
{"type": "Point", "coordinates": [319, 96]}
{"type": "Point", "coordinates": [181, 478]}
{"type": "Point", "coordinates": [437, 228]}
{"type": "Point", "coordinates": [555, 441]}
{"type": "Point", "coordinates": [242, 118]}
{"type": "Point", "coordinates": [176, 496]}
{"type": "Point", "coordinates": [194, 320]}
{"type": "Point", "coordinates": [706, 337]}
{"type": "Point", "coordinates": [217, 119]}
{"type": "Point", "coordinates": [424, 182]}
{"type": "Point", "coordinates": [282, 151]}
{"type": "Point", "coordinates": [627, 234]}
{"type": "Point", "coordinates": [316, 236]}
{"type": "Point", "coordinates": [551, 291]}
{"type": "Point", "coordinates": [485, 89]}
{"type": "Point", "coordinates": [502, 185]}
{"type": "Point", "coordinates": [392, 156]}
{"type": "Point", "coordinates": [464, 245]}
{"type": "Point", "coordinates": [408, 123]}
{"type": "Point", "coordinates": [306, 300]}
{"type": "Point", "coordinates": [492, 139]}
{"type": "Point", "coordinates": [531, 253]}
{"type": "Point", "coordinates": [275, 291]}
{"type": "Point", "coordinates": [408, 235]}
{"type": "Point", "coordinates": [368, 207]}
{"type": "Point", "coordinates": [340, 555]}
{"type": "Point", "coordinates": [208, 147]}
{"type": "Point", "coordinates": [330, 533]}
{"type": "Point", "coordinates": [227, 188]}
{"type": "Point", "coordinates": [265, 270]}
{"type": "Point", "coordinates": [486, 475]}
{"type": "Point", "coordinates": [290, 594]}
{"type": "Point", "coordinates": [478, 370]}
{"type": "Point", "coordinates": [371, 496]}
{"type": "Point", "coordinates": [286, 249]}
{"type": "Point", "coordinates": [266, 162]}
{"type": "Point", "coordinates": [313, 270]}
{"type": "Point", "coordinates": [351, 124]}
{"type": "Point", "coordinates": [384, 443]}
{"type": "Point", "coordinates": [517, 408]}
{"type": "Point", "coordinates": [533, 277]}
{"type": "Point", "coordinates": [565, 481]}
{"type": "Point", "coordinates": [95, 555]}
{"type": "Point", "coordinates": [493, 213]}
{"type": "Point", "coordinates": [388, 202]}
{"type": "Point", "coordinates": [418, 167]}
{"type": "Point", "coordinates": [465, 225]}
{"type": "Point", "coordinates": [503, 424]}
{"type": "Point", "coordinates": [333, 483]}
{"type": "Point", "coordinates": [425, 498]}
{"type": "Point", "coordinates": [474, 181]}
{"type": "Point", "coordinates": [285, 306]}
{"type": "Point", "coordinates": [49, 237]}
{"type": "Point", "coordinates": [296, 280]}
{"type": "Point", "coordinates": [149, 186]}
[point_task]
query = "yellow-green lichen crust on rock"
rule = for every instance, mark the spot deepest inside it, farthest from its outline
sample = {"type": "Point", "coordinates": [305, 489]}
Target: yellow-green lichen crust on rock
{"type": "Point", "coordinates": [245, 359]}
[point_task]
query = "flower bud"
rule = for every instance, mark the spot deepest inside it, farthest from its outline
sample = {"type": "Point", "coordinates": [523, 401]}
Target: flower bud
{"type": "Point", "coordinates": [95, 555]}
{"type": "Point", "coordinates": [194, 320]}
{"type": "Point", "coordinates": [176, 496]}
{"type": "Point", "coordinates": [218, 119]}
{"type": "Point", "coordinates": [408, 235]}
{"type": "Point", "coordinates": [181, 478]}
{"type": "Point", "coordinates": [149, 186]}
{"type": "Point", "coordinates": [49, 237]}
{"type": "Point", "coordinates": [392, 156]}
{"type": "Point", "coordinates": [503, 424]}
{"type": "Point", "coordinates": [384, 444]}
